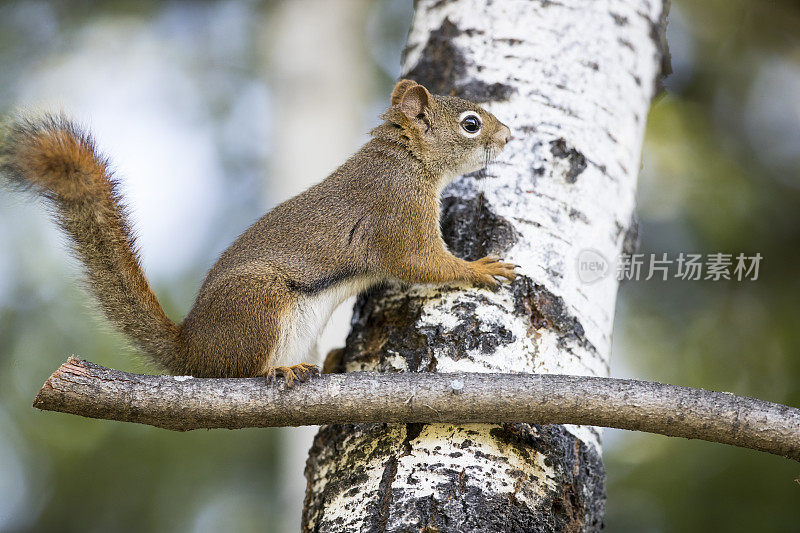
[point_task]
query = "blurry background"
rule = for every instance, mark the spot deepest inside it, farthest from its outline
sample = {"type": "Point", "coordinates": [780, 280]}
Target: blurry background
{"type": "Point", "coordinates": [215, 112]}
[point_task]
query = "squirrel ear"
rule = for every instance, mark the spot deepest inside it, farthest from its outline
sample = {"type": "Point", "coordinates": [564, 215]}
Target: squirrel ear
{"type": "Point", "coordinates": [414, 102]}
{"type": "Point", "coordinates": [399, 89]}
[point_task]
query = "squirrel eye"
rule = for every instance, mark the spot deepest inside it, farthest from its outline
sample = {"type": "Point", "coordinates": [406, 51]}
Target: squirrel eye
{"type": "Point", "coordinates": [471, 124]}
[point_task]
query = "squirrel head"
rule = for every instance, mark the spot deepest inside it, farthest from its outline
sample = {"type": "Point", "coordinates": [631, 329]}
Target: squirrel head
{"type": "Point", "coordinates": [449, 135]}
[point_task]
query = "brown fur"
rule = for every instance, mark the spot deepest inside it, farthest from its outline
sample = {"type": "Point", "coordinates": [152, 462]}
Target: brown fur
{"type": "Point", "coordinates": [375, 218]}
{"type": "Point", "coordinates": [400, 89]}
{"type": "Point", "coordinates": [59, 161]}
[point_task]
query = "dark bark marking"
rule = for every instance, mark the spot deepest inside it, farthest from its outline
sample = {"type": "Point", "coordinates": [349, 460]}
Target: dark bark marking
{"type": "Point", "coordinates": [470, 339]}
{"type": "Point", "coordinates": [438, 5]}
{"type": "Point", "coordinates": [658, 33]}
{"type": "Point", "coordinates": [575, 214]}
{"type": "Point", "coordinates": [441, 63]}
{"type": "Point", "coordinates": [433, 364]}
{"type": "Point", "coordinates": [412, 432]}
{"type": "Point", "coordinates": [474, 31]}
{"type": "Point", "coordinates": [442, 69]}
{"type": "Point", "coordinates": [458, 341]}
{"type": "Point", "coordinates": [334, 362]}
{"type": "Point", "coordinates": [385, 491]}
{"type": "Point", "coordinates": [593, 65]}
{"type": "Point", "coordinates": [577, 161]}
{"type": "Point", "coordinates": [379, 328]}
{"type": "Point", "coordinates": [579, 502]}
{"type": "Point", "coordinates": [626, 43]}
{"type": "Point", "coordinates": [481, 92]}
{"type": "Point", "coordinates": [630, 239]}
{"type": "Point", "coordinates": [619, 20]}
{"type": "Point", "coordinates": [549, 311]}
{"type": "Point", "coordinates": [471, 230]}
{"type": "Point", "coordinates": [566, 506]}
{"type": "Point", "coordinates": [509, 40]}
{"type": "Point", "coordinates": [553, 273]}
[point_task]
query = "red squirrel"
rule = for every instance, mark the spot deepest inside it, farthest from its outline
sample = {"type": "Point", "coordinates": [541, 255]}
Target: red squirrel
{"type": "Point", "coordinates": [269, 295]}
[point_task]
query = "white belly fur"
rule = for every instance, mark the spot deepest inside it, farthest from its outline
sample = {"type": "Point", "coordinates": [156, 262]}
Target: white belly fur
{"type": "Point", "coordinates": [301, 327]}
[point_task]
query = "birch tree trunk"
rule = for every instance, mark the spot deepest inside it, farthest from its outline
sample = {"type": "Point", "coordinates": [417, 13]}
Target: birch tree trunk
{"type": "Point", "coordinates": [573, 79]}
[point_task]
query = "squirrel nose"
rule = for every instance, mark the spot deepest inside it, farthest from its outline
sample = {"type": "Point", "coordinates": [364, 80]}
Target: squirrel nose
{"type": "Point", "coordinates": [502, 136]}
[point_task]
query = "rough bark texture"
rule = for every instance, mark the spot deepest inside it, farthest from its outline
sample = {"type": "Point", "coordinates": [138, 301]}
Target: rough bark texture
{"type": "Point", "coordinates": [573, 79]}
{"type": "Point", "coordinates": [183, 403]}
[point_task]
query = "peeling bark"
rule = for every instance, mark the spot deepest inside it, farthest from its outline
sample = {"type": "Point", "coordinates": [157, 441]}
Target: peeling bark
{"type": "Point", "coordinates": [573, 80]}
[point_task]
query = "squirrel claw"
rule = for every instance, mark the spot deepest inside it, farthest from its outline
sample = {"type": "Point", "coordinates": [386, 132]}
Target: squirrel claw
{"type": "Point", "coordinates": [490, 267]}
{"type": "Point", "coordinates": [301, 372]}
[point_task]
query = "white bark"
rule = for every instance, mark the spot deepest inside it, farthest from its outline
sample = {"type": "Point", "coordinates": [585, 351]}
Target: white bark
{"type": "Point", "coordinates": [573, 79]}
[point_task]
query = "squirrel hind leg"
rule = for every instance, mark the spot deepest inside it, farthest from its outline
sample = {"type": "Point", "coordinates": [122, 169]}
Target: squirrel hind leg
{"type": "Point", "coordinates": [235, 329]}
{"type": "Point", "coordinates": [300, 372]}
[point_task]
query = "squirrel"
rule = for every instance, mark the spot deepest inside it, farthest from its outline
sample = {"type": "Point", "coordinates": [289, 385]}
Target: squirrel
{"type": "Point", "coordinates": [269, 295]}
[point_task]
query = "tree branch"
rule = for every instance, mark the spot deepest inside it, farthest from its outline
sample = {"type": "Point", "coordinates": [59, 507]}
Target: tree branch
{"type": "Point", "coordinates": [183, 403]}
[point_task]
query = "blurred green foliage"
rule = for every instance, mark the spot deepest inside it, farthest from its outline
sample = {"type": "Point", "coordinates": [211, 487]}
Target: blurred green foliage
{"type": "Point", "coordinates": [721, 172]}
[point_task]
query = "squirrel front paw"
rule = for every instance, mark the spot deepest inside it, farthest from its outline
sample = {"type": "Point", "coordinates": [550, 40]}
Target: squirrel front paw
{"type": "Point", "coordinates": [488, 267]}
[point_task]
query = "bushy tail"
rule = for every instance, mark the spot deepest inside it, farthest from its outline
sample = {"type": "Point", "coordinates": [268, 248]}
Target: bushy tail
{"type": "Point", "coordinates": [54, 157]}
